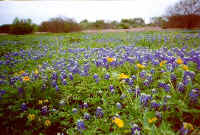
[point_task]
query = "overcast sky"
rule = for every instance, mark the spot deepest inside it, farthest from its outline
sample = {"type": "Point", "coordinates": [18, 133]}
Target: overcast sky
{"type": "Point", "coordinates": [92, 10]}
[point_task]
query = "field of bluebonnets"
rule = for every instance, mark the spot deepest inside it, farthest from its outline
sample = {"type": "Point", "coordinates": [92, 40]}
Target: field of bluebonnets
{"type": "Point", "coordinates": [144, 83]}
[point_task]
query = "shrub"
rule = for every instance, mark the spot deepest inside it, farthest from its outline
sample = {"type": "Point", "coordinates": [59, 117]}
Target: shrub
{"type": "Point", "coordinates": [58, 25]}
{"type": "Point", "coordinates": [21, 26]}
{"type": "Point", "coordinates": [5, 28]}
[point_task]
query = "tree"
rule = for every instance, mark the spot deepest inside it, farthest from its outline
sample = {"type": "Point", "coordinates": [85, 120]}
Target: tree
{"type": "Point", "coordinates": [185, 7]}
{"type": "Point", "coordinates": [184, 14]}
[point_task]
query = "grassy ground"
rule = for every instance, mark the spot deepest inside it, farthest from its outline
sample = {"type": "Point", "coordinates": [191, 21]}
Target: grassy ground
{"type": "Point", "coordinates": [104, 83]}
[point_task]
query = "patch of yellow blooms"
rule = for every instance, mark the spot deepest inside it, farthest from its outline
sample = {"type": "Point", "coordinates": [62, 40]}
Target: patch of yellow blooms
{"type": "Point", "coordinates": [118, 122]}
{"type": "Point", "coordinates": [123, 76]}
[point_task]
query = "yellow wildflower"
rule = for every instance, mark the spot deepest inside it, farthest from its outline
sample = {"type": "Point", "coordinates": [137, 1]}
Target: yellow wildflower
{"type": "Point", "coordinates": [47, 123]}
{"type": "Point", "coordinates": [109, 59]}
{"type": "Point", "coordinates": [188, 126]}
{"type": "Point", "coordinates": [46, 101]}
{"type": "Point", "coordinates": [40, 102]}
{"type": "Point", "coordinates": [152, 120]}
{"type": "Point", "coordinates": [140, 66]}
{"type": "Point", "coordinates": [123, 76]}
{"type": "Point", "coordinates": [118, 122]}
{"type": "Point", "coordinates": [31, 117]}
{"type": "Point", "coordinates": [179, 61]}
{"type": "Point", "coordinates": [162, 63]}
{"type": "Point", "coordinates": [185, 67]}
{"type": "Point", "coordinates": [36, 71]}
{"type": "Point", "coordinates": [21, 72]}
{"type": "Point", "coordinates": [26, 78]}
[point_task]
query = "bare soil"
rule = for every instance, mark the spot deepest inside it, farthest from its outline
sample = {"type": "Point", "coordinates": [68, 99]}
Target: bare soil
{"type": "Point", "coordinates": [124, 30]}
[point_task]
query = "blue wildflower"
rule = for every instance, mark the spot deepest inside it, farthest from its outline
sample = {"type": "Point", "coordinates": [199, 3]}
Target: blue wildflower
{"type": "Point", "coordinates": [99, 112]}
{"type": "Point", "coordinates": [23, 106]}
{"type": "Point", "coordinates": [80, 125]}
{"type": "Point", "coordinates": [135, 130]}
{"type": "Point", "coordinates": [86, 116]}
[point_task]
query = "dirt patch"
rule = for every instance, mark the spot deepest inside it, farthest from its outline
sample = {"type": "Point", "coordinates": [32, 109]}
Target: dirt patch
{"type": "Point", "coordinates": [125, 30]}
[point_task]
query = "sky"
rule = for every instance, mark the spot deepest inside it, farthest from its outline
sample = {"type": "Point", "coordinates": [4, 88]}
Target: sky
{"type": "Point", "coordinates": [42, 10]}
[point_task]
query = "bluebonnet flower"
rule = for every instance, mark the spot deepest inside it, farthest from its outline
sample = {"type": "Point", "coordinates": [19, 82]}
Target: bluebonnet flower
{"type": "Point", "coordinates": [23, 106]}
{"type": "Point", "coordinates": [57, 88]}
{"type": "Point", "coordinates": [112, 90]}
{"type": "Point", "coordinates": [133, 77]}
{"type": "Point", "coordinates": [2, 92]}
{"type": "Point", "coordinates": [123, 96]}
{"type": "Point", "coordinates": [137, 91]}
{"type": "Point", "coordinates": [54, 76]}
{"type": "Point", "coordinates": [54, 83]}
{"type": "Point", "coordinates": [20, 90]}
{"type": "Point", "coordinates": [154, 104]}
{"type": "Point", "coordinates": [144, 99]}
{"type": "Point", "coordinates": [99, 112]}
{"type": "Point", "coordinates": [130, 82]}
{"type": "Point", "coordinates": [74, 110]}
{"type": "Point", "coordinates": [152, 71]}
{"type": "Point", "coordinates": [85, 105]}
{"type": "Point", "coordinates": [154, 91]}
{"type": "Point", "coordinates": [194, 94]}
{"type": "Point", "coordinates": [107, 76]}
{"type": "Point", "coordinates": [86, 116]}
{"type": "Point", "coordinates": [146, 83]}
{"type": "Point", "coordinates": [166, 98]}
{"type": "Point", "coordinates": [71, 76]}
{"type": "Point", "coordinates": [167, 87]}
{"type": "Point", "coordinates": [44, 110]}
{"type": "Point", "coordinates": [118, 105]}
{"type": "Point", "coordinates": [181, 87]}
{"type": "Point", "coordinates": [173, 77]}
{"type": "Point", "coordinates": [63, 75]}
{"type": "Point", "coordinates": [96, 77]}
{"type": "Point", "coordinates": [143, 74]}
{"type": "Point", "coordinates": [80, 125]}
{"type": "Point", "coordinates": [135, 130]}
{"type": "Point", "coordinates": [186, 80]}
{"type": "Point", "coordinates": [64, 82]}
{"type": "Point", "coordinates": [130, 91]}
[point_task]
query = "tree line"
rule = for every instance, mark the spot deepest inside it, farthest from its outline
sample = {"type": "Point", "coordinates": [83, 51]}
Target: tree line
{"type": "Point", "coordinates": [184, 14]}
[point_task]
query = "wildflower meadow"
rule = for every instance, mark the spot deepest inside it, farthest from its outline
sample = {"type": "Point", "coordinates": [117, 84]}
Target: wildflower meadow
{"type": "Point", "coordinates": [126, 83]}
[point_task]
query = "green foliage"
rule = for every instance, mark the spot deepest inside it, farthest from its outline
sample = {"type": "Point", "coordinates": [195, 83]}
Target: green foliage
{"type": "Point", "coordinates": [21, 26]}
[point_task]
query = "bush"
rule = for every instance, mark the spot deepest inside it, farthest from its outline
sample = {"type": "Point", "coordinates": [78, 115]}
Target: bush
{"type": "Point", "coordinates": [58, 25]}
{"type": "Point", "coordinates": [124, 25]}
{"type": "Point", "coordinates": [5, 28]}
{"type": "Point", "coordinates": [183, 21]}
{"type": "Point", "coordinates": [21, 27]}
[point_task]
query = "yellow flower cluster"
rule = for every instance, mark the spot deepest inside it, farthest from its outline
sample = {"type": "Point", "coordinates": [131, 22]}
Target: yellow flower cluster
{"type": "Point", "coordinates": [185, 67]}
{"type": "Point", "coordinates": [40, 102]}
{"type": "Point", "coordinates": [47, 123]}
{"type": "Point", "coordinates": [26, 78]}
{"type": "Point", "coordinates": [31, 117]}
{"type": "Point", "coordinates": [140, 66]}
{"type": "Point", "coordinates": [162, 63]}
{"type": "Point", "coordinates": [123, 76]}
{"type": "Point", "coordinates": [36, 72]}
{"type": "Point", "coordinates": [109, 59]}
{"type": "Point", "coordinates": [179, 61]}
{"type": "Point", "coordinates": [188, 126]}
{"type": "Point", "coordinates": [21, 72]}
{"type": "Point", "coordinates": [152, 120]}
{"type": "Point", "coordinates": [118, 122]}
